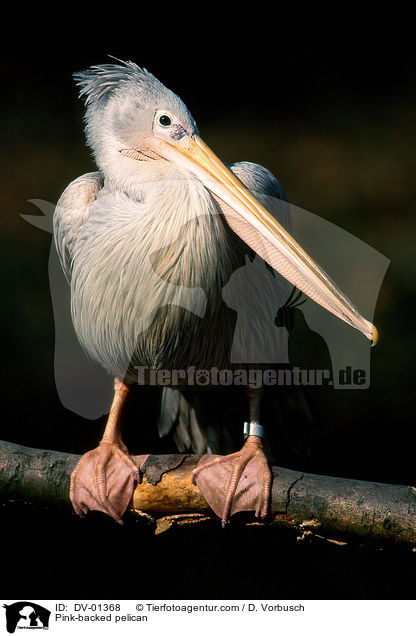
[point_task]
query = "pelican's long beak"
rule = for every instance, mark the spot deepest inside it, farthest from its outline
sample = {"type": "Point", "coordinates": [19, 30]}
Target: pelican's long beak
{"type": "Point", "coordinates": [260, 230]}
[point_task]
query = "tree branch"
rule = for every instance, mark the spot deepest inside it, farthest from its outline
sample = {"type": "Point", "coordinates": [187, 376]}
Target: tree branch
{"type": "Point", "coordinates": [318, 505]}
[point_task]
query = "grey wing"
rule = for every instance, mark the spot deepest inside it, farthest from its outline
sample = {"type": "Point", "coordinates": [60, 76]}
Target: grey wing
{"type": "Point", "coordinates": [83, 386]}
{"type": "Point", "coordinates": [268, 191]}
{"type": "Point", "coordinates": [189, 418]}
{"type": "Point", "coordinates": [258, 179]}
{"type": "Point", "coordinates": [71, 213]}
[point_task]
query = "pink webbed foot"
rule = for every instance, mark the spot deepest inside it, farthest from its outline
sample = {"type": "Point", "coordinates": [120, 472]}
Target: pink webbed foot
{"type": "Point", "coordinates": [236, 482]}
{"type": "Point", "coordinates": [104, 480]}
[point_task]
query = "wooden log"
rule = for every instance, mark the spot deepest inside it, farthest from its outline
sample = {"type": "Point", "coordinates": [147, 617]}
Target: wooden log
{"type": "Point", "coordinates": [173, 493]}
{"type": "Point", "coordinates": [329, 507]}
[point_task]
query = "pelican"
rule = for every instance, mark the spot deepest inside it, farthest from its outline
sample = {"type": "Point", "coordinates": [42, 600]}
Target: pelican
{"type": "Point", "coordinates": [148, 244]}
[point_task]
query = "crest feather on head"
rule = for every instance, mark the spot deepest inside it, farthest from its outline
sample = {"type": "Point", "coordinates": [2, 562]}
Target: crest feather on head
{"type": "Point", "coordinates": [98, 82]}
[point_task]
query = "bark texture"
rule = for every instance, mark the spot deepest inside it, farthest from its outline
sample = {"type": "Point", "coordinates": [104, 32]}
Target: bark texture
{"type": "Point", "coordinates": [329, 507]}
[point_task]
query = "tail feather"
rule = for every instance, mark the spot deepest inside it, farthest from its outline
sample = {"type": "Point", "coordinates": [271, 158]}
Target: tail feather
{"type": "Point", "coordinates": [178, 417]}
{"type": "Point", "coordinates": [169, 410]}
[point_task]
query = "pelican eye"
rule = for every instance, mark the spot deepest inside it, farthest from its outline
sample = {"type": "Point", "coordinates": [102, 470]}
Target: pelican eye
{"type": "Point", "coordinates": [165, 120]}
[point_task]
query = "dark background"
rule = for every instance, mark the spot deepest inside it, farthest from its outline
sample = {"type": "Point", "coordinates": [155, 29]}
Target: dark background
{"type": "Point", "coordinates": [332, 113]}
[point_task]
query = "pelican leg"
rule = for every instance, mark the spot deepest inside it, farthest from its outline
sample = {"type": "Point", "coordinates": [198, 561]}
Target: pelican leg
{"type": "Point", "coordinates": [104, 478]}
{"type": "Point", "coordinates": [246, 473]}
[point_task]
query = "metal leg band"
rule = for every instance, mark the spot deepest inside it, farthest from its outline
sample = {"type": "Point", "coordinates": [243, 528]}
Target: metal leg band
{"type": "Point", "coordinates": [253, 428]}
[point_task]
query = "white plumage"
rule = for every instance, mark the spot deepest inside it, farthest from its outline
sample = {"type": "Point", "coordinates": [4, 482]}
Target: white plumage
{"type": "Point", "coordinates": [111, 251]}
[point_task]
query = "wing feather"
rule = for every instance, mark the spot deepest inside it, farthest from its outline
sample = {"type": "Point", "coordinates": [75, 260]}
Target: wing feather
{"type": "Point", "coordinates": [71, 213]}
